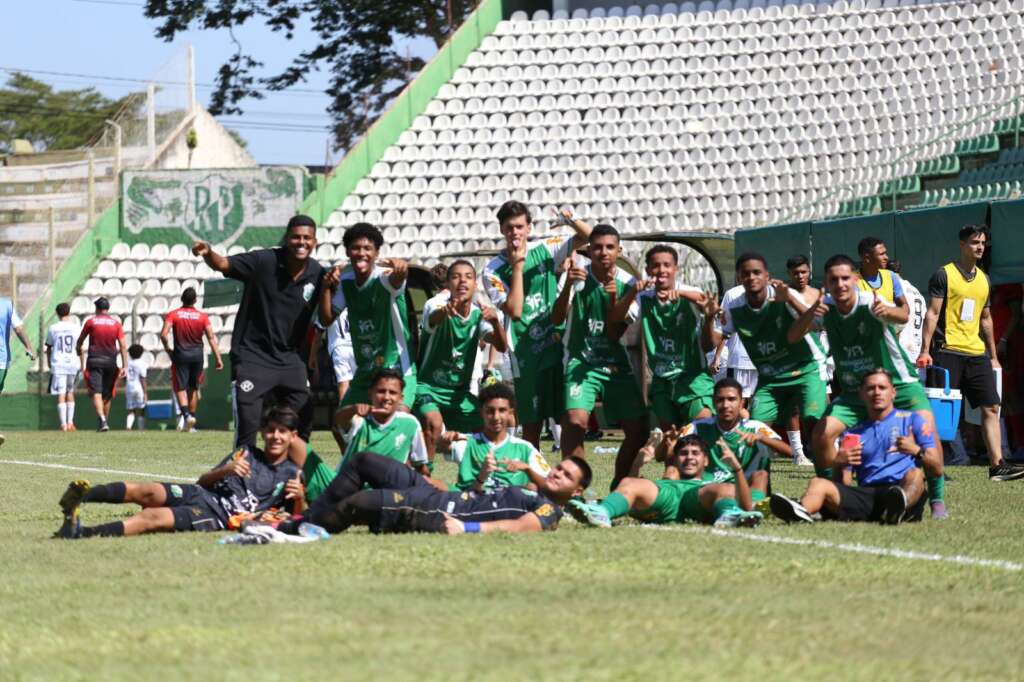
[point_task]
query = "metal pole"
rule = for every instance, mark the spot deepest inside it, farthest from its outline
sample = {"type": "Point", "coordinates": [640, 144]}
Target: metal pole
{"type": "Point", "coordinates": [191, 79]}
{"type": "Point", "coordinates": [53, 246]}
{"type": "Point", "coordinates": [41, 350]}
{"type": "Point", "coordinates": [118, 139]}
{"type": "Point", "coordinates": [151, 120]}
{"type": "Point", "coordinates": [91, 191]}
{"type": "Point", "coordinates": [14, 286]}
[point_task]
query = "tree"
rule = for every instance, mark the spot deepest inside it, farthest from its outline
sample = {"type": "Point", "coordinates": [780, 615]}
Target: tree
{"type": "Point", "coordinates": [50, 119]}
{"type": "Point", "coordinates": [358, 42]}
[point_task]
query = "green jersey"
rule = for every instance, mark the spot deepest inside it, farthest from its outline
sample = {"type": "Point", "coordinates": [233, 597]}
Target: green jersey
{"type": "Point", "coordinates": [399, 438]}
{"type": "Point", "coordinates": [860, 342]}
{"type": "Point", "coordinates": [448, 351]}
{"type": "Point", "coordinates": [586, 338]}
{"type": "Point", "coordinates": [763, 332]}
{"type": "Point", "coordinates": [471, 453]}
{"type": "Point", "coordinates": [378, 322]}
{"type": "Point", "coordinates": [752, 457]}
{"type": "Point", "coordinates": [671, 333]}
{"type": "Point", "coordinates": [533, 338]}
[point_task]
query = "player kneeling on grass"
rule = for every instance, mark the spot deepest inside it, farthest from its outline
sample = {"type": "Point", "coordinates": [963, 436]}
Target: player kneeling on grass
{"type": "Point", "coordinates": [247, 481]}
{"type": "Point", "coordinates": [401, 501]}
{"type": "Point", "coordinates": [885, 453]}
{"type": "Point", "coordinates": [694, 496]}
{"type": "Point", "coordinates": [494, 458]}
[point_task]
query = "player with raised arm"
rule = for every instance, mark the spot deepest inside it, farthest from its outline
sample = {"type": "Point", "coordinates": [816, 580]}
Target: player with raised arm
{"type": "Point", "coordinates": [373, 293]}
{"type": "Point", "coordinates": [282, 288]}
{"type": "Point", "coordinates": [454, 325]}
{"type": "Point", "coordinates": [884, 452]}
{"type": "Point", "coordinates": [862, 334]}
{"type": "Point", "coordinates": [598, 303]}
{"type": "Point", "coordinates": [522, 281]}
{"type": "Point", "coordinates": [380, 426]}
{"type": "Point", "coordinates": [791, 376]}
{"type": "Point", "coordinates": [492, 457]}
{"type": "Point", "coordinates": [64, 364]}
{"type": "Point", "coordinates": [688, 493]}
{"type": "Point", "coordinates": [247, 481]}
{"type": "Point", "coordinates": [99, 363]}
{"type": "Point", "coordinates": [400, 501]}
{"type": "Point", "coordinates": [189, 327]}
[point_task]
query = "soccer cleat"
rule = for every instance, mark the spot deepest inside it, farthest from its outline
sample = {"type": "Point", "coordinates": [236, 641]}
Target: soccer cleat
{"type": "Point", "coordinates": [311, 530]}
{"type": "Point", "coordinates": [104, 427]}
{"type": "Point", "coordinates": [70, 505]}
{"type": "Point", "coordinates": [895, 509]}
{"type": "Point", "coordinates": [939, 510]}
{"type": "Point", "coordinates": [71, 529]}
{"type": "Point", "coordinates": [190, 423]}
{"type": "Point", "coordinates": [734, 519]}
{"type": "Point", "coordinates": [1004, 471]}
{"type": "Point", "coordinates": [789, 510]}
{"type": "Point", "coordinates": [72, 427]}
{"type": "Point", "coordinates": [590, 514]}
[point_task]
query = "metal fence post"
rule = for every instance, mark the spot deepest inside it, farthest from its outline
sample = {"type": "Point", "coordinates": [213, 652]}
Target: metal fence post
{"type": "Point", "coordinates": [90, 200]}
{"type": "Point", "coordinates": [52, 233]}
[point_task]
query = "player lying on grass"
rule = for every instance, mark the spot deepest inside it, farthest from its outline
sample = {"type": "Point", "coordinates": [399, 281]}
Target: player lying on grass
{"type": "Point", "coordinates": [247, 481]}
{"type": "Point", "coordinates": [493, 458]}
{"type": "Point", "coordinates": [454, 324]}
{"type": "Point", "coordinates": [690, 494]}
{"type": "Point", "coordinates": [752, 442]}
{"type": "Point", "coordinates": [884, 452]}
{"type": "Point", "coordinates": [382, 426]}
{"type": "Point", "coordinates": [401, 500]}
{"type": "Point", "coordinates": [862, 335]}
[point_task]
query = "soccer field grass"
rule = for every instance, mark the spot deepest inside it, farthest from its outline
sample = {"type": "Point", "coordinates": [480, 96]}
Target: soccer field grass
{"type": "Point", "coordinates": [919, 601]}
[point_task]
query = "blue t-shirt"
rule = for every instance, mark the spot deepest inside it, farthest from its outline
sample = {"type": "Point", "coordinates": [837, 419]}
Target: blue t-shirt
{"type": "Point", "coordinates": [897, 284]}
{"type": "Point", "coordinates": [880, 461]}
{"type": "Point", "coordinates": [8, 321]}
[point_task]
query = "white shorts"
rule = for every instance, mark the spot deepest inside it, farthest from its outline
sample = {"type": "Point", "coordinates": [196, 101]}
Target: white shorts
{"type": "Point", "coordinates": [134, 400]}
{"type": "Point", "coordinates": [344, 363]}
{"type": "Point", "coordinates": [61, 383]}
{"type": "Point", "coordinates": [747, 379]}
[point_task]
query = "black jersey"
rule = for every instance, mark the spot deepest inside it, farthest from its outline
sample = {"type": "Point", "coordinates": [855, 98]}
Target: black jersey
{"type": "Point", "coordinates": [262, 489]}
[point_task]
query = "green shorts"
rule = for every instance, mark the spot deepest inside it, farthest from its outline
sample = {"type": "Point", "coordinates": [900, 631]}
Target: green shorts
{"type": "Point", "coordinates": [316, 475]}
{"type": "Point", "coordinates": [459, 409]}
{"type": "Point", "coordinates": [676, 501]}
{"type": "Point", "coordinates": [539, 394]}
{"type": "Point", "coordinates": [773, 399]}
{"type": "Point", "coordinates": [850, 409]}
{"type": "Point", "coordinates": [618, 392]}
{"type": "Point", "coordinates": [678, 401]}
{"type": "Point", "coordinates": [359, 391]}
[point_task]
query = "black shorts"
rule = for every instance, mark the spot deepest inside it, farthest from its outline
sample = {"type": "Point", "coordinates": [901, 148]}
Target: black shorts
{"type": "Point", "coordinates": [194, 507]}
{"type": "Point", "coordinates": [186, 374]}
{"type": "Point", "coordinates": [101, 379]}
{"type": "Point", "coordinates": [972, 374]}
{"type": "Point", "coordinates": [864, 503]}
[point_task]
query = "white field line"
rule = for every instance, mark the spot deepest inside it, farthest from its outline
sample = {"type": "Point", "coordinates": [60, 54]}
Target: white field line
{"type": "Point", "coordinates": [140, 474]}
{"type": "Point", "coordinates": [854, 548]}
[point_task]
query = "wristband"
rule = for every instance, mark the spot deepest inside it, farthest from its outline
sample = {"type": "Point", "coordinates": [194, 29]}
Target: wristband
{"type": "Point", "coordinates": [471, 526]}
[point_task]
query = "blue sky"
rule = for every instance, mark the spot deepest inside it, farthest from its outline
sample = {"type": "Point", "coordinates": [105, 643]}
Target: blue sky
{"type": "Point", "coordinates": [113, 38]}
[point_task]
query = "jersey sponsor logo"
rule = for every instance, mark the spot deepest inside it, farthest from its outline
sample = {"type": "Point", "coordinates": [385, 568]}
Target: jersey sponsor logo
{"type": "Point", "coordinates": [176, 491]}
{"type": "Point", "coordinates": [544, 510]}
{"type": "Point", "coordinates": [533, 301]}
{"type": "Point", "coordinates": [366, 326]}
{"type": "Point", "coordinates": [538, 331]}
{"type": "Point", "coordinates": [307, 291]}
{"type": "Point", "coordinates": [853, 351]}
{"type": "Point", "coordinates": [399, 439]}
{"type": "Point", "coordinates": [246, 386]}
{"type": "Point", "coordinates": [278, 488]}
{"type": "Point", "coordinates": [668, 345]}
{"type": "Point", "coordinates": [397, 497]}
{"type": "Point", "coordinates": [766, 347]}
{"type": "Point", "coordinates": [575, 391]}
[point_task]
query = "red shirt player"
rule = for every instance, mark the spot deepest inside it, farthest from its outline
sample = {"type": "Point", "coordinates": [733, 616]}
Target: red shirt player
{"type": "Point", "coordinates": [99, 365]}
{"type": "Point", "coordinates": [189, 326]}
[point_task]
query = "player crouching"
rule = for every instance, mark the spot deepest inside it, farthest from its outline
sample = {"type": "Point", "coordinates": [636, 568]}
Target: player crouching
{"type": "Point", "coordinates": [245, 482]}
{"type": "Point", "coordinates": [885, 452]}
{"type": "Point", "coordinates": [694, 496]}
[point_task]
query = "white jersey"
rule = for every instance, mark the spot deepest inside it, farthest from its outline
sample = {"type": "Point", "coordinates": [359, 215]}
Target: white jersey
{"type": "Point", "coordinates": [338, 334]}
{"type": "Point", "coordinates": [61, 338]}
{"type": "Point", "coordinates": [737, 358]}
{"type": "Point", "coordinates": [910, 334]}
{"type": "Point", "coordinates": [134, 375]}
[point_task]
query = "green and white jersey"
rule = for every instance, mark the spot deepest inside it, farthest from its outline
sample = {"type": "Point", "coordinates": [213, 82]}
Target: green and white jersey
{"type": "Point", "coordinates": [471, 453]}
{"type": "Point", "coordinates": [378, 322]}
{"type": "Point", "coordinates": [399, 438]}
{"type": "Point", "coordinates": [860, 342]}
{"type": "Point", "coordinates": [448, 351]}
{"type": "Point", "coordinates": [763, 332]}
{"type": "Point", "coordinates": [533, 339]}
{"type": "Point", "coordinates": [671, 333]}
{"type": "Point", "coordinates": [752, 457]}
{"type": "Point", "coordinates": [586, 339]}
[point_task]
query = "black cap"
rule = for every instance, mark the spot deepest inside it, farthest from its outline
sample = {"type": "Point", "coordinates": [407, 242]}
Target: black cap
{"type": "Point", "coordinates": [301, 220]}
{"type": "Point", "coordinates": [102, 303]}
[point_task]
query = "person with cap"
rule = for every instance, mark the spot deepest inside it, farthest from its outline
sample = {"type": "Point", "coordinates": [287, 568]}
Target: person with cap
{"type": "Point", "coordinates": [282, 288]}
{"type": "Point", "coordinates": [99, 364]}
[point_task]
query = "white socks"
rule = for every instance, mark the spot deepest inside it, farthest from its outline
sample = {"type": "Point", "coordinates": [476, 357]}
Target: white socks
{"type": "Point", "coordinates": [66, 412]}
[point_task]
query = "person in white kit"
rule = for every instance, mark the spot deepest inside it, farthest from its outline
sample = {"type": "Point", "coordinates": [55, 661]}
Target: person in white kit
{"type": "Point", "coordinates": [339, 347]}
{"type": "Point", "coordinates": [135, 388]}
{"type": "Point", "coordinates": [738, 364]}
{"type": "Point", "coordinates": [64, 363]}
{"type": "Point", "coordinates": [911, 333]}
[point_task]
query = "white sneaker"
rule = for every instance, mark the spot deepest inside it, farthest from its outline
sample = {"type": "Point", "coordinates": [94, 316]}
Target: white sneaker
{"type": "Point", "coordinates": [800, 460]}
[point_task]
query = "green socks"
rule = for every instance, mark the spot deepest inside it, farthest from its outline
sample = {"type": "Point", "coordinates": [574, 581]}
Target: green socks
{"type": "Point", "coordinates": [616, 505]}
{"type": "Point", "coordinates": [725, 506]}
{"type": "Point", "coordinates": [936, 488]}
{"type": "Point", "coordinates": [756, 495]}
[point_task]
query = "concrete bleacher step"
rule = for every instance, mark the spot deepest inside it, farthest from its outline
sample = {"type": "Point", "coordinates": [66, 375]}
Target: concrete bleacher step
{"type": "Point", "coordinates": [36, 202]}
{"type": "Point", "coordinates": [33, 233]}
